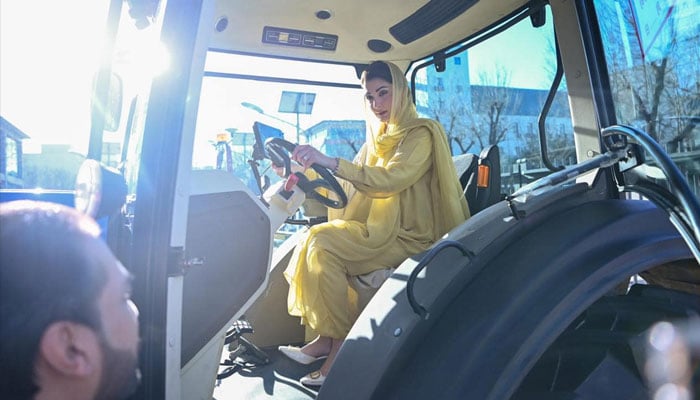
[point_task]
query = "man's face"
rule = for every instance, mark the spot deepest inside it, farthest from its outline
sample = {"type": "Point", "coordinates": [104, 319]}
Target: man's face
{"type": "Point", "coordinates": [120, 332]}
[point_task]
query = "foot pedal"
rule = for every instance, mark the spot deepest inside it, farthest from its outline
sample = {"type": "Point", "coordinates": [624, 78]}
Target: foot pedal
{"type": "Point", "coordinates": [251, 352]}
{"type": "Point", "coordinates": [242, 352]}
{"type": "Point", "coordinates": [238, 328]}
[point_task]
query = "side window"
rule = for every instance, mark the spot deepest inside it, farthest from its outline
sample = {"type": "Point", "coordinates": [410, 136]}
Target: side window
{"type": "Point", "coordinates": [652, 50]}
{"type": "Point", "coordinates": [493, 93]}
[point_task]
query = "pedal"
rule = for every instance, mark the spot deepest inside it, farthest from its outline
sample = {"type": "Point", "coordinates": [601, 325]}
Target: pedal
{"type": "Point", "coordinates": [240, 347]}
{"type": "Point", "coordinates": [237, 329]}
{"type": "Point", "coordinates": [242, 353]}
{"type": "Point", "coordinates": [252, 352]}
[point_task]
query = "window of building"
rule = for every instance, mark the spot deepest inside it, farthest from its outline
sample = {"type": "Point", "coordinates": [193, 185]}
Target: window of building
{"type": "Point", "coordinates": [440, 86]}
{"type": "Point", "coordinates": [11, 158]}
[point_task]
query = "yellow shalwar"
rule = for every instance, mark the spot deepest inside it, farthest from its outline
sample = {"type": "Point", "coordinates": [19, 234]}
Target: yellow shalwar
{"type": "Point", "coordinates": [403, 194]}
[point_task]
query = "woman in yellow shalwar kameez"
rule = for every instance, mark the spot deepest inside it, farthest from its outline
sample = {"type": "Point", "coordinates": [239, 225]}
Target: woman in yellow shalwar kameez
{"type": "Point", "coordinates": [404, 195]}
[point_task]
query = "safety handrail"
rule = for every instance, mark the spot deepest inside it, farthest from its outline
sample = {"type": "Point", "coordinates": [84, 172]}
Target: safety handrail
{"type": "Point", "coordinates": [417, 307]}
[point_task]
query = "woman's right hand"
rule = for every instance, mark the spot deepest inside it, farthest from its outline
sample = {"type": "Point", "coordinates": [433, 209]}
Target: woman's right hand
{"type": "Point", "coordinates": [306, 155]}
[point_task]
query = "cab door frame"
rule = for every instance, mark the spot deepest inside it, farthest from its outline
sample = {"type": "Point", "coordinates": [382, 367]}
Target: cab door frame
{"type": "Point", "coordinates": [160, 206]}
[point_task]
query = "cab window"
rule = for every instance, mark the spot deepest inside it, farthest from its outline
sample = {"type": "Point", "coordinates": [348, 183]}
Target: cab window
{"type": "Point", "coordinates": [652, 50]}
{"type": "Point", "coordinates": [493, 92]}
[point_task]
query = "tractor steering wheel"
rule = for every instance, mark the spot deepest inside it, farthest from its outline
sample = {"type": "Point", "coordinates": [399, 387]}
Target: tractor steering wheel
{"type": "Point", "coordinates": [279, 151]}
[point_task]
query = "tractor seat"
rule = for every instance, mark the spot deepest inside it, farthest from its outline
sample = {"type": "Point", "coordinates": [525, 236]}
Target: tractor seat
{"type": "Point", "coordinates": [484, 185]}
{"type": "Point", "coordinates": [366, 285]}
{"type": "Point", "coordinates": [480, 177]}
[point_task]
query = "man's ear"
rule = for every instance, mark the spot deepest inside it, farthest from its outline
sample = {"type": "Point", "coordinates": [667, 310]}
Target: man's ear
{"type": "Point", "coordinates": [70, 349]}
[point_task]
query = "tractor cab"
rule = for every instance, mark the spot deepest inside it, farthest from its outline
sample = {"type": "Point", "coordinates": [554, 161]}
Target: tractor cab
{"type": "Point", "coordinates": [573, 126]}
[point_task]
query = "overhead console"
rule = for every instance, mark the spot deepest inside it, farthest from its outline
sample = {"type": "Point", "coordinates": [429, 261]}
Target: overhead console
{"type": "Point", "coordinates": [296, 38]}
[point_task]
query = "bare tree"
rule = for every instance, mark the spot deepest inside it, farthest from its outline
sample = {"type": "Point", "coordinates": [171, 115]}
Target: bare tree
{"type": "Point", "coordinates": [487, 120]}
{"type": "Point", "coordinates": [560, 147]}
{"type": "Point", "coordinates": [476, 114]}
{"type": "Point", "coordinates": [550, 67]}
{"type": "Point", "coordinates": [450, 111]}
{"type": "Point", "coordinates": [663, 92]}
{"type": "Point", "coordinates": [354, 143]}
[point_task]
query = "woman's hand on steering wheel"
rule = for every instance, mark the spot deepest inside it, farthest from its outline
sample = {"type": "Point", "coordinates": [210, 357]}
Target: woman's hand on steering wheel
{"type": "Point", "coordinates": [306, 155]}
{"type": "Point", "coordinates": [282, 152]}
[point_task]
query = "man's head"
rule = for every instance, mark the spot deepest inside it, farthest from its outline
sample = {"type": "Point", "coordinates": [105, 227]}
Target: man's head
{"type": "Point", "coordinates": [67, 323]}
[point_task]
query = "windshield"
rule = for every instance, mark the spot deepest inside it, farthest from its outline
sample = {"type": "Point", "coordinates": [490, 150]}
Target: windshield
{"type": "Point", "coordinates": [239, 90]}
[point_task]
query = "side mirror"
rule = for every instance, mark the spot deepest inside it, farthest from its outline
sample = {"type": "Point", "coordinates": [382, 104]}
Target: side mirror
{"type": "Point", "coordinates": [99, 190]}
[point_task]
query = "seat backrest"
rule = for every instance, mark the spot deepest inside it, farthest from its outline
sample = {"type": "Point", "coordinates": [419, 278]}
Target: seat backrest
{"type": "Point", "coordinates": [488, 182]}
{"type": "Point", "coordinates": [467, 167]}
{"type": "Point", "coordinates": [480, 177]}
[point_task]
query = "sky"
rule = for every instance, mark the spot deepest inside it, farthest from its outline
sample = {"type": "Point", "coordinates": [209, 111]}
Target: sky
{"type": "Point", "coordinates": [48, 58]}
{"type": "Point", "coordinates": [45, 84]}
{"type": "Point", "coordinates": [523, 60]}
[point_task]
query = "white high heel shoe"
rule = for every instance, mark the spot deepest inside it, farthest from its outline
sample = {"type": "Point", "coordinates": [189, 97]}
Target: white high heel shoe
{"type": "Point", "coordinates": [315, 378]}
{"type": "Point", "coordinates": [297, 355]}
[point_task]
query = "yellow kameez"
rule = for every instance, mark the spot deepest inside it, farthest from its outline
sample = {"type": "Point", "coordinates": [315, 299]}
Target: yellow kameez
{"type": "Point", "coordinates": [403, 195]}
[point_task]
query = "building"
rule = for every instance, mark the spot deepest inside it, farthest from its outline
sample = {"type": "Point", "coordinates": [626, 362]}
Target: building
{"type": "Point", "coordinates": [11, 166]}
{"type": "Point", "coordinates": [337, 138]}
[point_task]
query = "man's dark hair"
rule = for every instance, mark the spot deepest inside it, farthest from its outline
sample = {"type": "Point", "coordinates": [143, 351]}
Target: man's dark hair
{"type": "Point", "coordinates": [46, 275]}
{"type": "Point", "coordinates": [378, 69]}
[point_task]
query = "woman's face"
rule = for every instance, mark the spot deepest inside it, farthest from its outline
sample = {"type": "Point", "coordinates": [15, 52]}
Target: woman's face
{"type": "Point", "coordinates": [379, 96]}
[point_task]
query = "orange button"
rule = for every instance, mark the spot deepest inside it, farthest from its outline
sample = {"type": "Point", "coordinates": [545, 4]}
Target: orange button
{"type": "Point", "coordinates": [482, 179]}
{"type": "Point", "coordinates": [291, 181]}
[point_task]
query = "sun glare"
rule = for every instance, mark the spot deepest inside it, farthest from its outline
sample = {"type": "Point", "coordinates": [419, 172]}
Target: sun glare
{"type": "Point", "coordinates": [47, 61]}
{"type": "Point", "coordinates": [140, 55]}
